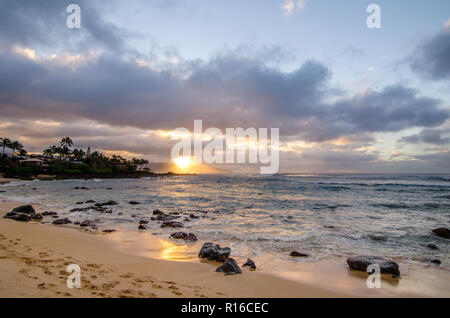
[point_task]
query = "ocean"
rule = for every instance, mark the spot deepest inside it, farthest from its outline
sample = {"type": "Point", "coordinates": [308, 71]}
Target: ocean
{"type": "Point", "coordinates": [322, 215]}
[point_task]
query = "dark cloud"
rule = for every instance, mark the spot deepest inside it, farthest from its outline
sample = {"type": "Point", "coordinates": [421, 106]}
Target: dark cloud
{"type": "Point", "coordinates": [227, 91]}
{"type": "Point", "coordinates": [432, 58]}
{"type": "Point", "coordinates": [43, 24]}
{"type": "Point", "coordinates": [429, 136]}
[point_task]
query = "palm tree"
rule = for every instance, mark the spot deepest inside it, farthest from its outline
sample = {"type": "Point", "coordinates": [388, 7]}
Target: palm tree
{"type": "Point", "coordinates": [67, 142]}
{"type": "Point", "coordinates": [15, 145]}
{"type": "Point", "coordinates": [4, 143]}
{"type": "Point", "coordinates": [78, 154]}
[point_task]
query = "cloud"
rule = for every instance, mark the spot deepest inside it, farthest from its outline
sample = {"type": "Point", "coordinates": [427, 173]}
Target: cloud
{"type": "Point", "coordinates": [290, 6]}
{"type": "Point", "coordinates": [429, 136]}
{"type": "Point", "coordinates": [431, 58]}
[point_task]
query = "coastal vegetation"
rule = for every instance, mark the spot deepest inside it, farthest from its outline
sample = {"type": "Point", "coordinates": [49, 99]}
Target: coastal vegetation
{"type": "Point", "coordinates": [65, 161]}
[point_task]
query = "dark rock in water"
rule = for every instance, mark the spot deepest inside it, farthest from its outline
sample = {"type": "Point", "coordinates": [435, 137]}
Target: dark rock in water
{"type": "Point", "coordinates": [158, 212]}
{"type": "Point", "coordinates": [190, 237]}
{"type": "Point", "coordinates": [27, 209]}
{"type": "Point", "coordinates": [86, 223]}
{"type": "Point", "coordinates": [134, 202]}
{"type": "Point", "coordinates": [229, 267]}
{"type": "Point", "coordinates": [142, 227]}
{"type": "Point", "coordinates": [328, 226]}
{"type": "Point", "coordinates": [250, 264]}
{"type": "Point", "coordinates": [172, 224]}
{"type": "Point", "coordinates": [143, 222]}
{"type": "Point", "coordinates": [193, 216]}
{"type": "Point", "coordinates": [436, 261]}
{"type": "Point", "coordinates": [77, 223]}
{"type": "Point", "coordinates": [84, 188]}
{"type": "Point", "coordinates": [442, 232]}
{"type": "Point", "coordinates": [79, 203]}
{"type": "Point", "coordinates": [62, 221]}
{"type": "Point", "coordinates": [362, 262]}
{"type": "Point", "coordinates": [433, 246]}
{"type": "Point", "coordinates": [90, 201]}
{"type": "Point", "coordinates": [111, 202]}
{"type": "Point", "coordinates": [47, 213]}
{"type": "Point", "coordinates": [214, 252]}
{"type": "Point", "coordinates": [298, 254]}
{"type": "Point", "coordinates": [109, 231]}
{"type": "Point", "coordinates": [2, 191]}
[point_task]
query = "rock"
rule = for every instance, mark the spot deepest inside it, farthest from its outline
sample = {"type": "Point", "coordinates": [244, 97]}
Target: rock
{"type": "Point", "coordinates": [189, 237]}
{"type": "Point", "coordinates": [362, 262]}
{"type": "Point", "coordinates": [86, 223]}
{"type": "Point", "coordinates": [158, 212]}
{"type": "Point", "coordinates": [27, 209]}
{"type": "Point", "coordinates": [143, 222]}
{"type": "Point", "coordinates": [172, 224]}
{"type": "Point", "coordinates": [47, 213]}
{"type": "Point", "coordinates": [90, 201]}
{"type": "Point", "coordinates": [79, 203]}
{"type": "Point", "coordinates": [134, 202]}
{"type": "Point", "coordinates": [442, 232]}
{"type": "Point", "coordinates": [109, 231]}
{"type": "Point", "coordinates": [436, 261]}
{"type": "Point", "coordinates": [433, 246]}
{"type": "Point", "coordinates": [229, 267]}
{"type": "Point", "coordinates": [62, 221]}
{"type": "Point", "coordinates": [36, 216]}
{"type": "Point", "coordinates": [142, 227]}
{"type": "Point", "coordinates": [77, 223]}
{"type": "Point", "coordinates": [18, 216]}
{"type": "Point", "coordinates": [298, 254]}
{"type": "Point", "coordinates": [193, 216]}
{"type": "Point", "coordinates": [214, 252]}
{"type": "Point", "coordinates": [250, 264]}
{"type": "Point", "coordinates": [111, 202]}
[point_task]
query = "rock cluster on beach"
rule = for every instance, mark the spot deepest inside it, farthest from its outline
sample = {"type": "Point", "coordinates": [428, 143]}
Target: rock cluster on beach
{"type": "Point", "coordinates": [213, 252]}
{"type": "Point", "coordinates": [188, 237]}
{"type": "Point", "coordinates": [23, 213]}
{"type": "Point", "coordinates": [361, 263]}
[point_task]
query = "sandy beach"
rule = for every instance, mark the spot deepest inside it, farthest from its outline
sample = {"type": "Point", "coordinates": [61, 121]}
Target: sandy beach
{"type": "Point", "coordinates": [34, 258]}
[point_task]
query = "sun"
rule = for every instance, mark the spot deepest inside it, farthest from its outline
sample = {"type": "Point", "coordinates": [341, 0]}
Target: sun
{"type": "Point", "coordinates": [183, 162]}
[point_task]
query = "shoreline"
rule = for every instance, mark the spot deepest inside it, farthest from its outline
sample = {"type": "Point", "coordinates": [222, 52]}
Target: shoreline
{"type": "Point", "coordinates": [34, 258]}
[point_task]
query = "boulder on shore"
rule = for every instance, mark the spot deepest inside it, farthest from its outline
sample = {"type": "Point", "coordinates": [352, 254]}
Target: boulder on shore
{"type": "Point", "coordinates": [214, 252]}
{"type": "Point", "coordinates": [23, 213]}
{"type": "Point", "coordinates": [229, 267]}
{"type": "Point", "coordinates": [361, 263]}
{"type": "Point", "coordinates": [442, 232]}
{"type": "Point", "coordinates": [250, 264]}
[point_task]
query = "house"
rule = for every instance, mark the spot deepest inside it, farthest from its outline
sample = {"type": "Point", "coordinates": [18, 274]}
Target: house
{"type": "Point", "coordinates": [32, 162]}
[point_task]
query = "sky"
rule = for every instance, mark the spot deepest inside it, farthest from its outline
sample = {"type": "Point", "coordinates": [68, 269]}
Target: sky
{"type": "Point", "coordinates": [345, 97]}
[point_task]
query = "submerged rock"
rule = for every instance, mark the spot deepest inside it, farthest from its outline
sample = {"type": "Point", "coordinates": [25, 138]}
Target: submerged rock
{"type": "Point", "coordinates": [87, 223]}
{"type": "Point", "coordinates": [109, 231]}
{"type": "Point", "coordinates": [214, 252]}
{"type": "Point", "coordinates": [142, 227]}
{"type": "Point", "coordinates": [362, 262]}
{"type": "Point", "coordinates": [158, 212]}
{"type": "Point", "coordinates": [62, 221]}
{"type": "Point", "coordinates": [172, 224]}
{"type": "Point", "coordinates": [134, 202]}
{"type": "Point", "coordinates": [190, 237]}
{"type": "Point", "coordinates": [442, 232]}
{"type": "Point", "coordinates": [143, 222]}
{"type": "Point", "coordinates": [250, 264]}
{"type": "Point", "coordinates": [229, 267]}
{"type": "Point", "coordinates": [433, 246]}
{"type": "Point", "coordinates": [298, 254]}
{"type": "Point", "coordinates": [47, 213]}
